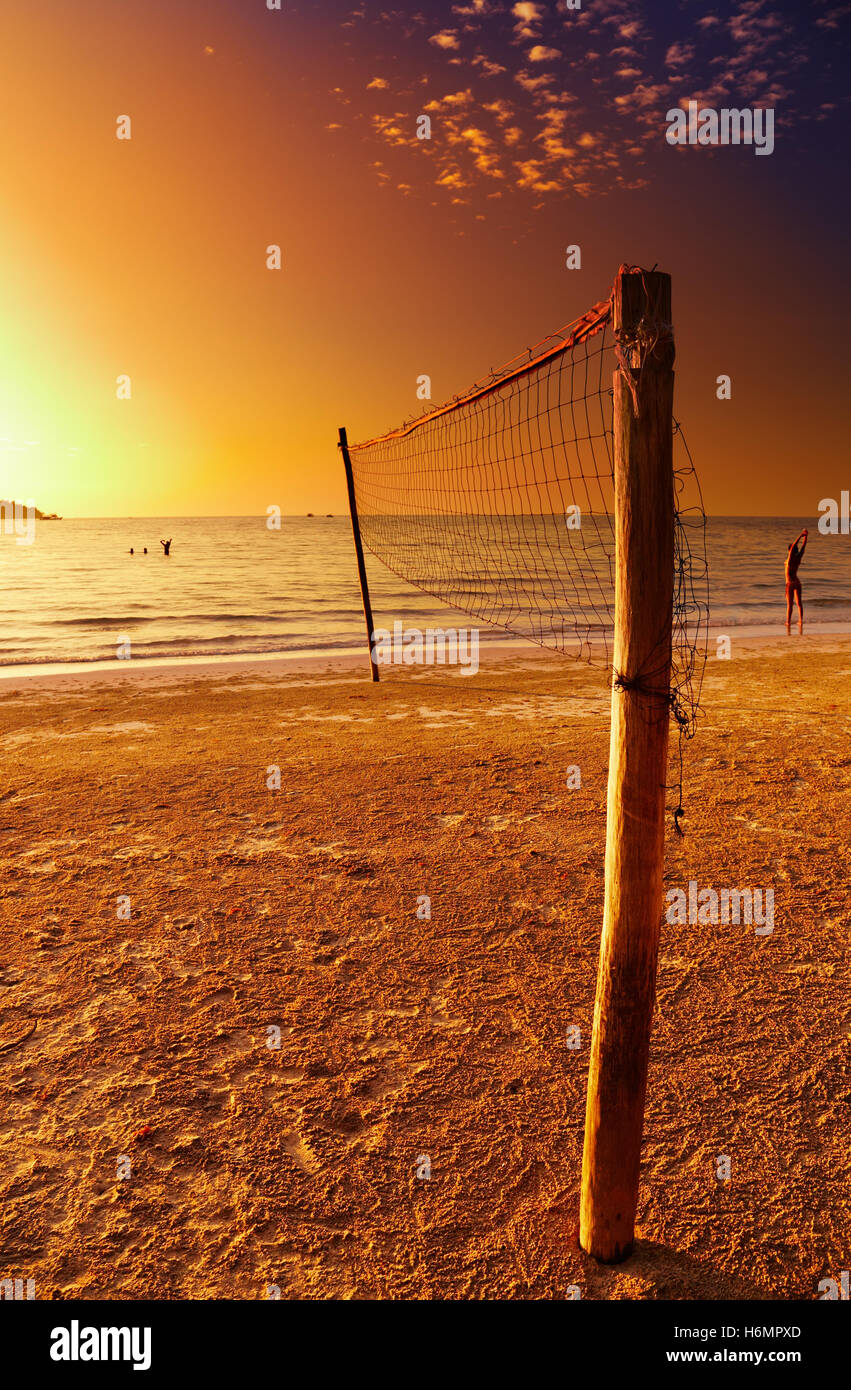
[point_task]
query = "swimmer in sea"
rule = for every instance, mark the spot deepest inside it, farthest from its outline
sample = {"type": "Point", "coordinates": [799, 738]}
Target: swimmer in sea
{"type": "Point", "coordinates": [166, 545]}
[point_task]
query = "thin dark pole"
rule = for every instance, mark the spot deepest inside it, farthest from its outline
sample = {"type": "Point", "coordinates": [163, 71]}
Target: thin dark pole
{"type": "Point", "coordinates": [364, 587]}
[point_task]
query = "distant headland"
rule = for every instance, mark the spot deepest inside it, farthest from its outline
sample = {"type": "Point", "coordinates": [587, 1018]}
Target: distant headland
{"type": "Point", "coordinates": [19, 509]}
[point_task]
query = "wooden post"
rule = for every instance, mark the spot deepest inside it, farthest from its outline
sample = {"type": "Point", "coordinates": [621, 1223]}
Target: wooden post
{"type": "Point", "coordinates": [638, 755]}
{"type": "Point", "coordinates": [364, 587]}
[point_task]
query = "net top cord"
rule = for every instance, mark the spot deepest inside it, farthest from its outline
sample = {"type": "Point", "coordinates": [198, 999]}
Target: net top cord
{"type": "Point", "coordinates": [500, 502]}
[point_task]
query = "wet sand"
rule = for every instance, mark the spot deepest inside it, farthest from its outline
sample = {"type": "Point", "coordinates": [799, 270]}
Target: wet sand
{"type": "Point", "coordinates": [152, 1142]}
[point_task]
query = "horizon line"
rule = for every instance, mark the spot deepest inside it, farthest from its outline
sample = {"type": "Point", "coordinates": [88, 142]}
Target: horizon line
{"type": "Point", "coordinates": [326, 516]}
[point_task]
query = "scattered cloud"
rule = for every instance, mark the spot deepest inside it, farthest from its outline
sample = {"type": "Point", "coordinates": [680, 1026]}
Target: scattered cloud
{"type": "Point", "coordinates": [832, 19]}
{"type": "Point", "coordinates": [644, 94]}
{"type": "Point", "coordinates": [503, 110]}
{"type": "Point", "coordinates": [390, 131]}
{"type": "Point", "coordinates": [575, 101]}
{"type": "Point", "coordinates": [529, 16]}
{"type": "Point", "coordinates": [530, 175]}
{"type": "Point", "coordinates": [451, 99]}
{"type": "Point", "coordinates": [533, 84]}
{"type": "Point", "coordinates": [447, 38]}
{"type": "Point", "coordinates": [485, 153]}
{"type": "Point", "coordinates": [528, 11]}
{"type": "Point", "coordinates": [488, 67]}
{"type": "Point", "coordinates": [678, 54]}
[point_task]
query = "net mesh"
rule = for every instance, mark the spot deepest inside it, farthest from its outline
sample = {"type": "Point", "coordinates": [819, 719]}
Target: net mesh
{"type": "Point", "coordinates": [501, 504]}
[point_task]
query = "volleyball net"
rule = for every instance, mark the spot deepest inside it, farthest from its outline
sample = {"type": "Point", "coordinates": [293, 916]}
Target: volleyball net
{"type": "Point", "coordinates": [500, 503]}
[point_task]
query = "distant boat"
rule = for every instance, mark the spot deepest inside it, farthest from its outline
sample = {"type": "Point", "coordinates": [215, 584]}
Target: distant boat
{"type": "Point", "coordinates": [329, 514]}
{"type": "Point", "coordinates": [310, 513]}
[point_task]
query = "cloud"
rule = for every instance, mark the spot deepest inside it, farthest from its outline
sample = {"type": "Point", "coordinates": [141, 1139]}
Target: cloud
{"type": "Point", "coordinates": [832, 18]}
{"type": "Point", "coordinates": [486, 157]}
{"type": "Point", "coordinates": [533, 84]}
{"type": "Point", "coordinates": [530, 175]}
{"type": "Point", "coordinates": [451, 99]}
{"type": "Point", "coordinates": [479, 139]}
{"type": "Point", "coordinates": [528, 11]}
{"type": "Point", "coordinates": [753, 30]}
{"type": "Point", "coordinates": [678, 54]}
{"type": "Point", "coordinates": [387, 128]}
{"type": "Point", "coordinates": [377, 82]}
{"type": "Point", "coordinates": [489, 68]}
{"type": "Point", "coordinates": [529, 16]}
{"type": "Point", "coordinates": [644, 94]}
{"type": "Point", "coordinates": [516, 126]}
{"type": "Point", "coordinates": [503, 110]}
{"type": "Point", "coordinates": [551, 138]}
{"type": "Point", "coordinates": [447, 38]}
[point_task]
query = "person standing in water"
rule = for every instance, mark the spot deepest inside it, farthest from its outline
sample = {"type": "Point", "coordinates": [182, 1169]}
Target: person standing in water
{"type": "Point", "coordinates": [166, 545]}
{"type": "Point", "coordinates": [793, 583]}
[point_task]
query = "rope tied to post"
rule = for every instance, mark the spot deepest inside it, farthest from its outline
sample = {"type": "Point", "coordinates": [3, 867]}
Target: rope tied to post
{"type": "Point", "coordinates": [648, 338]}
{"type": "Point", "coordinates": [672, 704]}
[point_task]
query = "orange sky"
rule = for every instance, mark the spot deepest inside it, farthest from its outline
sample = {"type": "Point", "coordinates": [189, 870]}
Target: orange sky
{"type": "Point", "coordinates": [251, 127]}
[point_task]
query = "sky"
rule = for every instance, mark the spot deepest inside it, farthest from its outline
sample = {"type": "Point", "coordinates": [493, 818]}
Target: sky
{"type": "Point", "coordinates": [146, 258]}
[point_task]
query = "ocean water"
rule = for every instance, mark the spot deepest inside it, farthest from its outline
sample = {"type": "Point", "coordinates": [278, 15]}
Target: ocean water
{"type": "Point", "coordinates": [231, 586]}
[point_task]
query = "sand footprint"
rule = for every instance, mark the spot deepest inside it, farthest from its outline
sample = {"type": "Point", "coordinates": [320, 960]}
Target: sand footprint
{"type": "Point", "coordinates": [300, 1152]}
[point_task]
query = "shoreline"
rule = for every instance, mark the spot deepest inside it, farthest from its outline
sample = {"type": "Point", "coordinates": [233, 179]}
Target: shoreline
{"type": "Point", "coordinates": [748, 642]}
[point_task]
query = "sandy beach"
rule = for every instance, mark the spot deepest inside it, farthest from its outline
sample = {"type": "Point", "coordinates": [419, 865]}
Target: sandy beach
{"type": "Point", "coordinates": [248, 1041]}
